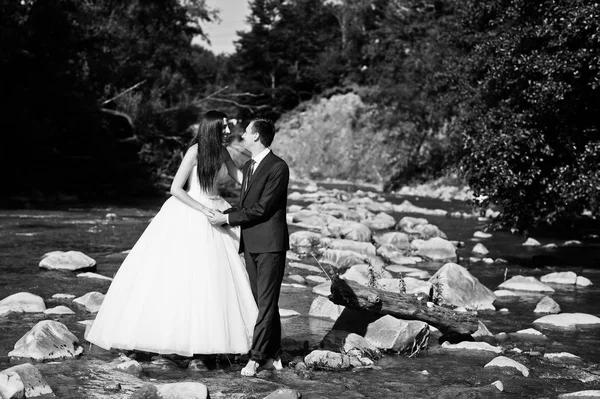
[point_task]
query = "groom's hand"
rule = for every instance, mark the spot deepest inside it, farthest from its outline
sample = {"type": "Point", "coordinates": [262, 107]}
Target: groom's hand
{"type": "Point", "coordinates": [217, 219]}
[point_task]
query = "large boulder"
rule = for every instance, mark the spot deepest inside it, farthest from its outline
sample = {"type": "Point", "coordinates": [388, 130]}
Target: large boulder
{"type": "Point", "coordinates": [304, 238]}
{"type": "Point", "coordinates": [22, 302]}
{"type": "Point", "coordinates": [365, 248]}
{"type": "Point", "coordinates": [322, 307]}
{"type": "Point", "coordinates": [569, 320]}
{"type": "Point", "coordinates": [47, 340]}
{"type": "Point", "coordinates": [454, 285]}
{"type": "Point", "coordinates": [396, 239]}
{"type": "Point", "coordinates": [324, 359]}
{"type": "Point", "coordinates": [70, 260]}
{"type": "Point", "coordinates": [525, 283]}
{"type": "Point", "coordinates": [90, 301]}
{"type": "Point", "coordinates": [363, 274]}
{"type": "Point", "coordinates": [381, 221]}
{"type": "Point", "coordinates": [400, 336]}
{"type": "Point", "coordinates": [569, 278]}
{"type": "Point", "coordinates": [437, 249]}
{"type": "Point", "coordinates": [31, 379]}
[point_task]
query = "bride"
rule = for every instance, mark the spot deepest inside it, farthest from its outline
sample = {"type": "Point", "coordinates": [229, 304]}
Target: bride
{"type": "Point", "coordinates": [183, 288]}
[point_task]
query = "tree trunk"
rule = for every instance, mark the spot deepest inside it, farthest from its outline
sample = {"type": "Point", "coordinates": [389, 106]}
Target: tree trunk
{"type": "Point", "coordinates": [402, 306]}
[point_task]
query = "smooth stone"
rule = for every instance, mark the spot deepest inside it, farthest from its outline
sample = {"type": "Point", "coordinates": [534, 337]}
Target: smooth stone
{"type": "Point", "coordinates": [293, 285]}
{"type": "Point", "coordinates": [130, 367]}
{"type": "Point", "coordinates": [305, 238]}
{"type": "Point", "coordinates": [461, 288]}
{"type": "Point", "coordinates": [569, 278]}
{"type": "Point", "coordinates": [323, 289]}
{"type": "Point", "coordinates": [354, 341]}
{"type": "Point", "coordinates": [365, 248]}
{"type": "Point", "coordinates": [182, 390]}
{"type": "Point", "coordinates": [481, 234]}
{"type": "Point", "coordinates": [482, 331]}
{"type": "Point", "coordinates": [551, 246]}
{"type": "Point", "coordinates": [70, 260]}
{"type": "Point", "coordinates": [531, 242]}
{"type": "Point", "coordinates": [381, 221]}
{"type": "Point", "coordinates": [90, 301]}
{"type": "Point", "coordinates": [525, 283]}
{"type": "Point", "coordinates": [310, 268]}
{"type": "Point", "coordinates": [63, 296]}
{"type": "Point", "coordinates": [288, 313]}
{"type": "Point", "coordinates": [480, 249]}
{"type": "Point", "coordinates": [472, 346]}
{"type": "Point", "coordinates": [561, 355]}
{"type": "Point", "coordinates": [531, 333]}
{"type": "Point", "coordinates": [22, 302]}
{"type": "Point", "coordinates": [397, 239]}
{"type": "Point", "coordinates": [437, 249]}
{"type": "Point", "coordinates": [94, 275]}
{"type": "Point", "coordinates": [547, 305]}
{"type": "Point", "coordinates": [572, 242]}
{"type": "Point", "coordinates": [322, 307]}
{"type": "Point", "coordinates": [583, 281]}
{"type": "Point", "coordinates": [498, 385]}
{"type": "Point", "coordinates": [59, 310]}
{"type": "Point", "coordinates": [284, 393]}
{"type": "Point", "coordinates": [32, 380]}
{"type": "Point", "coordinates": [390, 333]}
{"type": "Point", "coordinates": [587, 394]}
{"type": "Point", "coordinates": [297, 278]}
{"type": "Point", "coordinates": [11, 386]}
{"type": "Point", "coordinates": [502, 361]}
{"type": "Point", "coordinates": [427, 231]}
{"type": "Point", "coordinates": [409, 222]}
{"type": "Point", "coordinates": [320, 359]}
{"type": "Point", "coordinates": [47, 340]}
{"type": "Point", "coordinates": [316, 279]}
{"type": "Point", "coordinates": [569, 319]}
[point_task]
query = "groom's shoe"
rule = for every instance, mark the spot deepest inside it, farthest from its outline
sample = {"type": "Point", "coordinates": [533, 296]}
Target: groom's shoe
{"type": "Point", "coordinates": [250, 369]}
{"type": "Point", "coordinates": [273, 364]}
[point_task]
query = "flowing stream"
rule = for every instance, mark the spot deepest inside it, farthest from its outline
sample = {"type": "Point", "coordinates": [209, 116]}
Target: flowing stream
{"type": "Point", "coordinates": [25, 235]}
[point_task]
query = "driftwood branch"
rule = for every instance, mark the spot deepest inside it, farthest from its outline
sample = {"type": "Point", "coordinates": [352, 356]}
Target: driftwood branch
{"type": "Point", "coordinates": [404, 306]}
{"type": "Point", "coordinates": [123, 92]}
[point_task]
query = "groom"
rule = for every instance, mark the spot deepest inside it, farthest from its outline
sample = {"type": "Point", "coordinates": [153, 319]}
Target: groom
{"type": "Point", "coordinates": [264, 239]}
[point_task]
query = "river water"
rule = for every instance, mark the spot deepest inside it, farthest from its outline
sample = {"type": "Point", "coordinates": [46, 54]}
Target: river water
{"type": "Point", "coordinates": [25, 235]}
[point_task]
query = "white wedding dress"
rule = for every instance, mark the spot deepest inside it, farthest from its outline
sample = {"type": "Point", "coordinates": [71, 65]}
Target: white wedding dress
{"type": "Point", "coordinates": [183, 288]}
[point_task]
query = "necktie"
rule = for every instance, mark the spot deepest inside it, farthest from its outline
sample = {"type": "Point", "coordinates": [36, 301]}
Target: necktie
{"type": "Point", "coordinates": [249, 174]}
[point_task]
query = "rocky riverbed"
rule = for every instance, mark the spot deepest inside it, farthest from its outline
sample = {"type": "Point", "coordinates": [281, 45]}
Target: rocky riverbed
{"type": "Point", "coordinates": [537, 301]}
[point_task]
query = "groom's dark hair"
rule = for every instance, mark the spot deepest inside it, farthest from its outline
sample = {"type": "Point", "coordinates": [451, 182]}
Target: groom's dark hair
{"type": "Point", "coordinates": [265, 129]}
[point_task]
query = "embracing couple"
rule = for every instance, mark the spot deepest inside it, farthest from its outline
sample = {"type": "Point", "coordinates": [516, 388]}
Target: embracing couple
{"type": "Point", "coordinates": [183, 288]}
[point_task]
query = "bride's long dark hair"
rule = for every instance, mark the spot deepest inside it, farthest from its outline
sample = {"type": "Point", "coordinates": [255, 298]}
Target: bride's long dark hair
{"type": "Point", "coordinates": [209, 140]}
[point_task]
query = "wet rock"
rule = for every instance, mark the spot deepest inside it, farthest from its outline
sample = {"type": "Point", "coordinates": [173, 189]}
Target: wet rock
{"type": "Point", "coordinates": [94, 275]}
{"type": "Point", "coordinates": [63, 296]}
{"type": "Point", "coordinates": [362, 274]}
{"type": "Point", "coordinates": [561, 356]}
{"type": "Point", "coordinates": [343, 259]}
{"type": "Point", "coordinates": [304, 238]}
{"type": "Point", "coordinates": [568, 320]}
{"type": "Point", "coordinates": [354, 342]}
{"type": "Point", "coordinates": [294, 208]}
{"type": "Point", "coordinates": [547, 305]}
{"type": "Point", "coordinates": [297, 279]}
{"type": "Point", "coordinates": [427, 231]}
{"type": "Point", "coordinates": [381, 221]}
{"type": "Point", "coordinates": [408, 223]}
{"type": "Point", "coordinates": [437, 249]}
{"type": "Point", "coordinates": [531, 242]}
{"type": "Point", "coordinates": [390, 333]}
{"type": "Point", "coordinates": [504, 293]}
{"type": "Point", "coordinates": [60, 310]}
{"type": "Point", "coordinates": [396, 239]}
{"type": "Point", "coordinates": [323, 289]}
{"type": "Point", "coordinates": [456, 286]}
{"type": "Point", "coordinates": [322, 307]}
{"type": "Point", "coordinates": [569, 278]}
{"type": "Point", "coordinates": [502, 361]}
{"type": "Point", "coordinates": [32, 380]}
{"type": "Point", "coordinates": [480, 249]}
{"type": "Point", "coordinates": [587, 394]}
{"type": "Point", "coordinates": [302, 266]}
{"type": "Point", "coordinates": [498, 385]}
{"type": "Point", "coordinates": [90, 301]}
{"type": "Point", "coordinates": [472, 346]}
{"type": "Point", "coordinates": [130, 367]}
{"type": "Point", "coordinates": [481, 234]}
{"type": "Point", "coordinates": [70, 260]}
{"type": "Point", "coordinates": [11, 386]}
{"type": "Point", "coordinates": [22, 302]}
{"type": "Point", "coordinates": [324, 359]}
{"type": "Point", "coordinates": [347, 229]}
{"type": "Point", "coordinates": [284, 393]}
{"type": "Point", "coordinates": [316, 279]}
{"type": "Point", "coordinates": [583, 281]}
{"type": "Point", "coordinates": [525, 283]}
{"type": "Point", "coordinates": [528, 333]}
{"type": "Point", "coordinates": [482, 332]}
{"type": "Point", "coordinates": [365, 248]}
{"type": "Point", "coordinates": [47, 340]}
{"type": "Point", "coordinates": [288, 313]}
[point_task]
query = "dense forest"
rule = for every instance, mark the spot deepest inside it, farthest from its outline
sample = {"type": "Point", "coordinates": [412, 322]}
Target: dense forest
{"type": "Point", "coordinates": [98, 96]}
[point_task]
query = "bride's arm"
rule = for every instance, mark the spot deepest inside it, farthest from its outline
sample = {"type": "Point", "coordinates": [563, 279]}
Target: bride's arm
{"type": "Point", "coordinates": [233, 170]}
{"type": "Point", "coordinates": [186, 167]}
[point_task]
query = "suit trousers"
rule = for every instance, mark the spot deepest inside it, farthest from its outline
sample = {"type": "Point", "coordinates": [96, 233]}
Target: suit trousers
{"type": "Point", "coordinates": [265, 271]}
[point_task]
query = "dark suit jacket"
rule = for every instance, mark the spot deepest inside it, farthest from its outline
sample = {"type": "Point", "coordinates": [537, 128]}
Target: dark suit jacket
{"type": "Point", "coordinates": [263, 207]}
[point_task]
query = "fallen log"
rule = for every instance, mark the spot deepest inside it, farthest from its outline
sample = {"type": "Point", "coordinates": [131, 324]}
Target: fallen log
{"type": "Point", "coordinates": [403, 306]}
